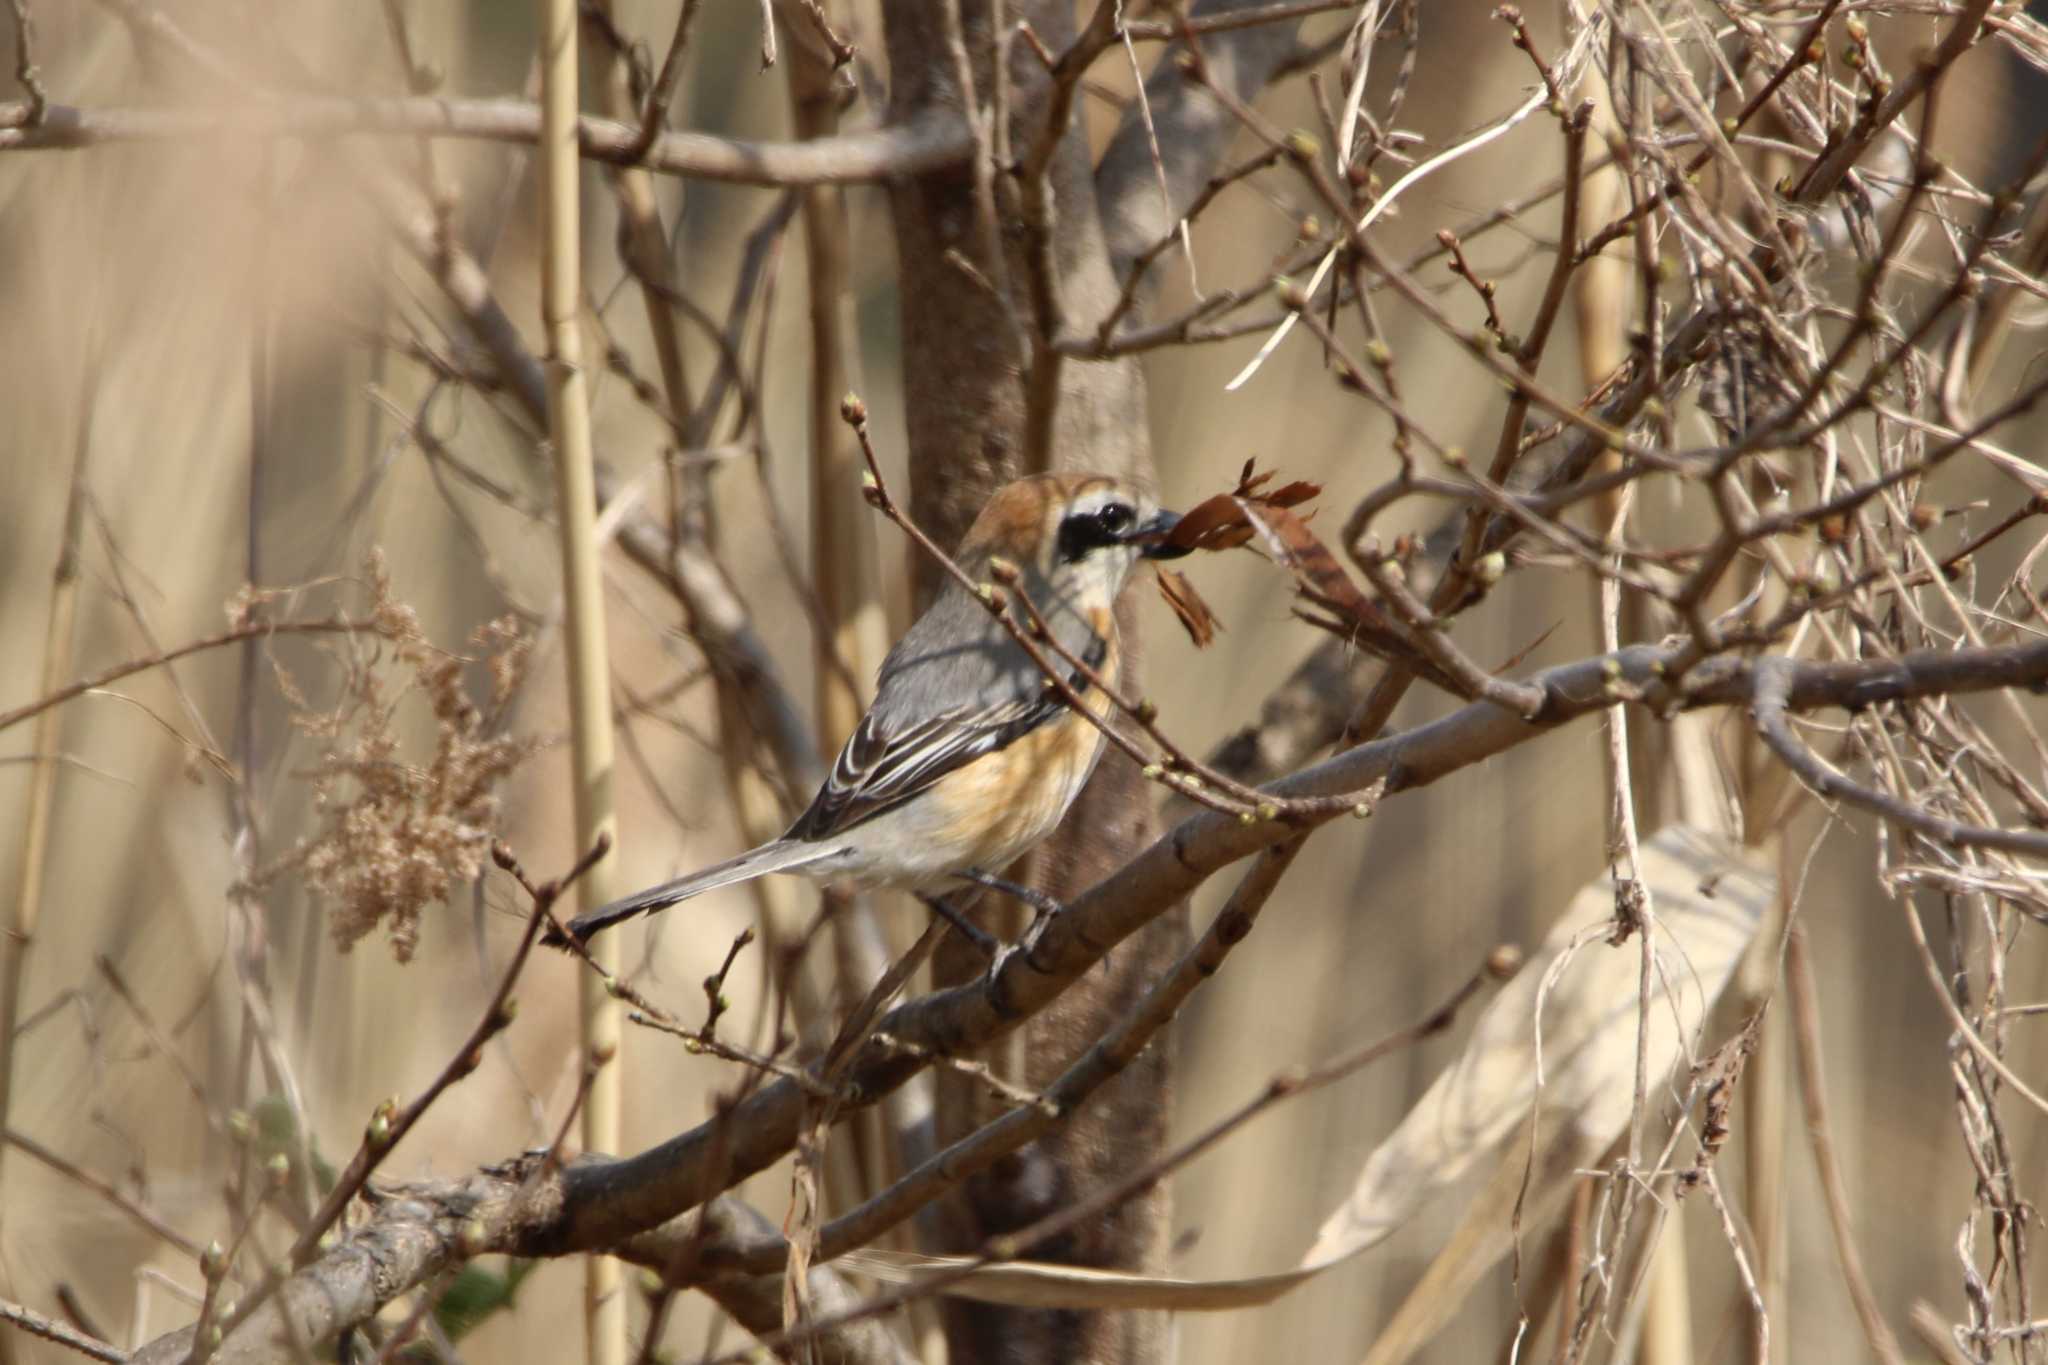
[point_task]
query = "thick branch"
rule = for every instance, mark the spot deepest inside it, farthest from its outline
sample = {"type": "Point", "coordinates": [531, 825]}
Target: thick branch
{"type": "Point", "coordinates": [601, 1202]}
{"type": "Point", "coordinates": [1773, 682]}
{"type": "Point", "coordinates": [926, 143]}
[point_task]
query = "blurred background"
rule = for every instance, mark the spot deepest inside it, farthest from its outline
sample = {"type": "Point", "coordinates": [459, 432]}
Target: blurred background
{"type": "Point", "coordinates": [181, 310]}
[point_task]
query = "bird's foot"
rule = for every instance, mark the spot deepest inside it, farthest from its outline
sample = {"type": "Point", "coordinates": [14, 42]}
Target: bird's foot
{"type": "Point", "coordinates": [1043, 906]}
{"type": "Point", "coordinates": [990, 946]}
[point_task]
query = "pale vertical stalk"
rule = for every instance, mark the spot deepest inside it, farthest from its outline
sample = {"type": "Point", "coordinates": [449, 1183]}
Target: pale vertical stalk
{"type": "Point", "coordinates": [843, 551]}
{"type": "Point", "coordinates": [1600, 303]}
{"type": "Point", "coordinates": [1667, 1309]}
{"type": "Point", "coordinates": [18, 937]}
{"type": "Point", "coordinates": [1766, 1105]}
{"type": "Point", "coordinates": [753, 799]}
{"type": "Point", "coordinates": [1768, 1081]}
{"type": "Point", "coordinates": [590, 719]}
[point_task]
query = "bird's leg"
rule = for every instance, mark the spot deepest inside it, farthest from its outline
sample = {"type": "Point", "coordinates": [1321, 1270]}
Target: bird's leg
{"type": "Point", "coordinates": [990, 946]}
{"type": "Point", "coordinates": [1043, 907]}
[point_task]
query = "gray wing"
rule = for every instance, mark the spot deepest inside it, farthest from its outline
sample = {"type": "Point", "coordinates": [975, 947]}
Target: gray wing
{"type": "Point", "coordinates": [938, 707]}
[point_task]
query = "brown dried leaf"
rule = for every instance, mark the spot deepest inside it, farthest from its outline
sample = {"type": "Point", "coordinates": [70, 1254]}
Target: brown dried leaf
{"type": "Point", "coordinates": [1316, 571]}
{"type": "Point", "coordinates": [1288, 494]}
{"type": "Point", "coordinates": [1323, 582]}
{"type": "Point", "coordinates": [1195, 617]}
{"type": "Point", "coordinates": [1213, 524]}
{"type": "Point", "coordinates": [1218, 523]}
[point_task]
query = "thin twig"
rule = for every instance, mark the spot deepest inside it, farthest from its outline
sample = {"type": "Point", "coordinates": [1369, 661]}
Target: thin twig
{"type": "Point", "coordinates": [26, 71]}
{"type": "Point", "coordinates": [386, 1131]}
{"type": "Point", "coordinates": [51, 1330]}
{"type": "Point", "coordinates": [665, 84]}
{"type": "Point", "coordinates": [1499, 965]}
{"type": "Point", "coordinates": [252, 631]}
{"type": "Point", "coordinates": [1813, 1080]}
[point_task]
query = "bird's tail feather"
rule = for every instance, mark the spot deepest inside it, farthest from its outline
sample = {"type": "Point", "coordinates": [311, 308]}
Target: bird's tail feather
{"type": "Point", "coordinates": [784, 855]}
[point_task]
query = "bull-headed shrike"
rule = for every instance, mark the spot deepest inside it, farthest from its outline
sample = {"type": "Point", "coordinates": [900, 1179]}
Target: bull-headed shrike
{"type": "Point", "coordinates": [969, 755]}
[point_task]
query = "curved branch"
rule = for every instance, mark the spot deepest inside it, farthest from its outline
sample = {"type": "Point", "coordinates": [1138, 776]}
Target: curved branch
{"type": "Point", "coordinates": [526, 1208]}
{"type": "Point", "coordinates": [926, 143]}
{"type": "Point", "coordinates": [1773, 685]}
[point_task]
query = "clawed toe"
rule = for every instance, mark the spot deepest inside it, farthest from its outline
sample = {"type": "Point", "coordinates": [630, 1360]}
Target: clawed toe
{"type": "Point", "coordinates": [990, 946]}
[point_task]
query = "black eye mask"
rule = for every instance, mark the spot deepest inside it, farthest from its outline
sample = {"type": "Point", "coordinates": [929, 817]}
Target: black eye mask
{"type": "Point", "coordinates": [1084, 532]}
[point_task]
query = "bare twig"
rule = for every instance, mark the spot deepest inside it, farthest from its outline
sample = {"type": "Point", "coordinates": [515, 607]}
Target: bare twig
{"type": "Point", "coordinates": [387, 1129]}
{"type": "Point", "coordinates": [26, 73]}
{"type": "Point", "coordinates": [665, 84]}
{"type": "Point", "coordinates": [253, 630]}
{"type": "Point", "coordinates": [51, 1330]}
{"type": "Point", "coordinates": [1772, 679]}
{"type": "Point", "coordinates": [1800, 989]}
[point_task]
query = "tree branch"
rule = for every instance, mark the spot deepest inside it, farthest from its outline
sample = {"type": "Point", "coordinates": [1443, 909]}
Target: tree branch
{"type": "Point", "coordinates": [49, 1329]}
{"type": "Point", "coordinates": [926, 143]}
{"type": "Point", "coordinates": [529, 1208]}
{"type": "Point", "coordinates": [1772, 680]}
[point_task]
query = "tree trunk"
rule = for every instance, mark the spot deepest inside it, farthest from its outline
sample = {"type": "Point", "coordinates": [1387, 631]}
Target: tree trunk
{"type": "Point", "coordinates": [967, 315]}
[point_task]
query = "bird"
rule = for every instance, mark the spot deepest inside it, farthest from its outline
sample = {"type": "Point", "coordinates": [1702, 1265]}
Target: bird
{"type": "Point", "coordinates": [968, 755]}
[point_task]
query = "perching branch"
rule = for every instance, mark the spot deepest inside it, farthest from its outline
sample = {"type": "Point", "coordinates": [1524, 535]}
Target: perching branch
{"type": "Point", "coordinates": [599, 1202]}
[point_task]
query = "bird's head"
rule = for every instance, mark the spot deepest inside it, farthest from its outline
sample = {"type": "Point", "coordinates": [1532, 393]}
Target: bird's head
{"type": "Point", "coordinates": [1078, 534]}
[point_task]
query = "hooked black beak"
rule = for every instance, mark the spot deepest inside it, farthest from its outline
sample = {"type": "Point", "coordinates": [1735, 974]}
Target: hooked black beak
{"type": "Point", "coordinates": [1152, 535]}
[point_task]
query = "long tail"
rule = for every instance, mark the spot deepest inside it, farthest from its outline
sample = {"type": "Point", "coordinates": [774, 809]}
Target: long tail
{"type": "Point", "coordinates": [784, 855]}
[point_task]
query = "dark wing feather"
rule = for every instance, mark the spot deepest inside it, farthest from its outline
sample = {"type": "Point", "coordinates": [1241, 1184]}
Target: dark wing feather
{"type": "Point", "coordinates": [877, 772]}
{"type": "Point", "coordinates": [902, 747]}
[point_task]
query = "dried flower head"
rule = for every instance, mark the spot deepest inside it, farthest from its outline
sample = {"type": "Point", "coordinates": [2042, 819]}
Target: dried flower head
{"type": "Point", "coordinates": [401, 830]}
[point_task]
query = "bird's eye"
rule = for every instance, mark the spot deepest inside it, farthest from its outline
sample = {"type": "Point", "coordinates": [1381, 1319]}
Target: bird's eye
{"type": "Point", "coordinates": [1116, 518]}
{"type": "Point", "coordinates": [1084, 531]}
